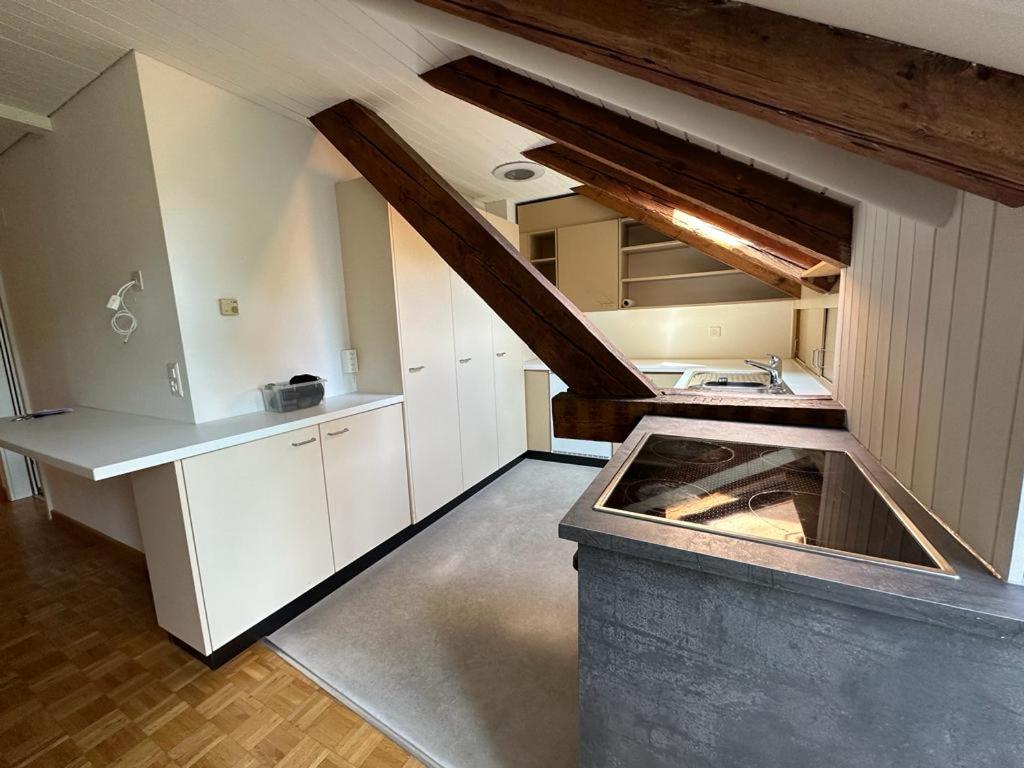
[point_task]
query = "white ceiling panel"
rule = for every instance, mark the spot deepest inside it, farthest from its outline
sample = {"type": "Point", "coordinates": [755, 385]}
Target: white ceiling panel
{"type": "Point", "coordinates": [295, 57]}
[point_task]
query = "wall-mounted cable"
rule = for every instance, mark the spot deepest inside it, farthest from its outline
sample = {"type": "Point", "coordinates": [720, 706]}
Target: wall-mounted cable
{"type": "Point", "coordinates": [123, 323]}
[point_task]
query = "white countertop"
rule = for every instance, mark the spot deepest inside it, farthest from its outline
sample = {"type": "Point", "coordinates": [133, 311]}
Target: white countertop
{"type": "Point", "coordinates": [799, 379]}
{"type": "Point", "coordinates": [100, 444]}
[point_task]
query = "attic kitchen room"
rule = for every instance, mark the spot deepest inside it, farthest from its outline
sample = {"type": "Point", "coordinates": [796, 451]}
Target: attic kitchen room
{"type": "Point", "coordinates": [435, 383]}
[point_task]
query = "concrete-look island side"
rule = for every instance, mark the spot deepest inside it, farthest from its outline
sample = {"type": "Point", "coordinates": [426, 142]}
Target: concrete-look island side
{"type": "Point", "coordinates": [766, 655]}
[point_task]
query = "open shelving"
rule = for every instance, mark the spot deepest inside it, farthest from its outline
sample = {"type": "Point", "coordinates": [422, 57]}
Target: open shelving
{"type": "Point", "coordinates": [656, 271]}
{"type": "Point", "coordinates": [540, 248]}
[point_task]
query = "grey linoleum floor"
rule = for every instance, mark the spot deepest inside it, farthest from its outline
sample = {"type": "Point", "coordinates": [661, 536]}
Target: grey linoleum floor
{"type": "Point", "coordinates": [461, 644]}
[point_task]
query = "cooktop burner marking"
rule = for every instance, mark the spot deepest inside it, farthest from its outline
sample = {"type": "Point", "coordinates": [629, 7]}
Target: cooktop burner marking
{"type": "Point", "coordinates": [690, 452]}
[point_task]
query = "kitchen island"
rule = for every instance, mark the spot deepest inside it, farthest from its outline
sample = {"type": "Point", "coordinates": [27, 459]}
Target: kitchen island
{"type": "Point", "coordinates": [703, 649]}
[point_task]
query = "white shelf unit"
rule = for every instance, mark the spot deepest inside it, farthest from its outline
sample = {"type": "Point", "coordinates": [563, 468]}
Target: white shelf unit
{"type": "Point", "coordinates": [659, 272]}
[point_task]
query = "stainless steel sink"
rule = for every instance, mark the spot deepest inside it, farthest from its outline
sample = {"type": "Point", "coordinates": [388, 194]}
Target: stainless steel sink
{"type": "Point", "coordinates": [738, 383]}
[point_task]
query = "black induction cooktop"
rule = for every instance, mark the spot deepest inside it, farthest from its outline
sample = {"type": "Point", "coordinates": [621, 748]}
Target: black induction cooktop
{"type": "Point", "coordinates": [821, 500]}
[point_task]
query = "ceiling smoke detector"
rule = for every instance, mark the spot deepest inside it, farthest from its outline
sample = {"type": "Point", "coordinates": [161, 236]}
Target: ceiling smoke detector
{"type": "Point", "coordinates": [520, 170]}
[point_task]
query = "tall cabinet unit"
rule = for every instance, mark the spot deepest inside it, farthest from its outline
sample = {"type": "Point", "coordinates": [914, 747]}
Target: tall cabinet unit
{"type": "Point", "coordinates": [509, 391]}
{"type": "Point", "coordinates": [477, 404]}
{"type": "Point", "coordinates": [427, 341]}
{"type": "Point", "coordinates": [421, 330]}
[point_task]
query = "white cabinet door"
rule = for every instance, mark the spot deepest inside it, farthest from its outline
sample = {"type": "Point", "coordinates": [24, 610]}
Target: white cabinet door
{"type": "Point", "coordinates": [509, 391]}
{"type": "Point", "coordinates": [367, 486]}
{"type": "Point", "coordinates": [428, 369]}
{"type": "Point", "coordinates": [474, 351]}
{"type": "Point", "coordinates": [588, 264]}
{"type": "Point", "coordinates": [261, 529]}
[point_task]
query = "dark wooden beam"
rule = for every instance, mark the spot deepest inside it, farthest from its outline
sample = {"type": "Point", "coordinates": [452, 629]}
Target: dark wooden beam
{"type": "Point", "coordinates": [551, 325]}
{"type": "Point", "coordinates": [935, 115]}
{"type": "Point", "coordinates": [612, 419]}
{"type": "Point", "coordinates": [758, 206]}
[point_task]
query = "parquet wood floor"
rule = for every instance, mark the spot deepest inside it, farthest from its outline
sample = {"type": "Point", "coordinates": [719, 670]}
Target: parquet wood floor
{"type": "Point", "coordinates": [88, 679]}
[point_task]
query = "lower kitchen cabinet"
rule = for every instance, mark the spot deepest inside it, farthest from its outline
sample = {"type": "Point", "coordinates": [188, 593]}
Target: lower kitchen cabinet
{"type": "Point", "coordinates": [260, 525]}
{"type": "Point", "coordinates": [234, 535]}
{"type": "Point", "coordinates": [367, 481]}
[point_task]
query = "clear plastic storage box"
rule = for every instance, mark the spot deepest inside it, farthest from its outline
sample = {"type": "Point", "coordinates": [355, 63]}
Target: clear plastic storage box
{"type": "Point", "coordinates": [283, 397]}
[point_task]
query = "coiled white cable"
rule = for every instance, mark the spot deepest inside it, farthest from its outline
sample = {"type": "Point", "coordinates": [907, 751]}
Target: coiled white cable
{"type": "Point", "coordinates": [117, 302]}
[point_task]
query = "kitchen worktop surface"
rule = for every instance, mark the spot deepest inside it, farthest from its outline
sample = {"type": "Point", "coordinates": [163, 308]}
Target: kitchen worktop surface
{"type": "Point", "coordinates": [99, 444]}
{"type": "Point", "coordinates": [974, 600]}
{"type": "Point", "coordinates": [799, 379]}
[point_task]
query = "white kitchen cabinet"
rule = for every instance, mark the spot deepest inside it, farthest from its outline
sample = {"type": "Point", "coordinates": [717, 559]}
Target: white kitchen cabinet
{"type": "Point", "coordinates": [474, 350]}
{"type": "Point", "coordinates": [424, 294]}
{"type": "Point", "coordinates": [509, 391]}
{"type": "Point", "coordinates": [367, 484]}
{"type": "Point", "coordinates": [462, 420]}
{"type": "Point", "coordinates": [260, 527]}
{"type": "Point", "coordinates": [588, 264]}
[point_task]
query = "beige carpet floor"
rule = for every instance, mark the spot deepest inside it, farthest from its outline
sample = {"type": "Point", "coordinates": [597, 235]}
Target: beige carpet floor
{"type": "Point", "coordinates": [461, 644]}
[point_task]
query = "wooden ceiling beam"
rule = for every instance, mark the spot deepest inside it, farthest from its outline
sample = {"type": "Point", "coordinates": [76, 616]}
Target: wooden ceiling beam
{"type": "Point", "coordinates": [548, 322]}
{"type": "Point", "coordinates": [942, 117]}
{"type": "Point", "coordinates": [756, 205]}
{"type": "Point", "coordinates": [612, 419]}
{"type": "Point", "coordinates": [631, 198]}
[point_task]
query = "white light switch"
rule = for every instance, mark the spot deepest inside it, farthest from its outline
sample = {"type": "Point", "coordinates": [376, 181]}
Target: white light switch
{"type": "Point", "coordinates": [715, 330]}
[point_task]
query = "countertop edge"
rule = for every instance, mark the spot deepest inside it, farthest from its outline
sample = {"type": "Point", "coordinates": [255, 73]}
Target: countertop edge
{"type": "Point", "coordinates": [201, 446]}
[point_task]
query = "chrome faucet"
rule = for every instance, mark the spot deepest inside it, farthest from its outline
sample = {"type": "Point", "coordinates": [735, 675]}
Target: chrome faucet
{"type": "Point", "coordinates": [773, 368]}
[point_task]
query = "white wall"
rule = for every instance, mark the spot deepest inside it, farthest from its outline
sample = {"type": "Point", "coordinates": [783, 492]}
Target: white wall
{"type": "Point", "coordinates": [248, 206]}
{"type": "Point", "coordinates": [931, 354]}
{"type": "Point", "coordinates": [748, 330]}
{"type": "Point", "coordinates": [80, 213]}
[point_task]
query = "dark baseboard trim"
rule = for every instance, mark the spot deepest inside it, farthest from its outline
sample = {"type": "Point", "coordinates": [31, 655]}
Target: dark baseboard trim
{"type": "Point", "coordinates": [308, 599]}
{"type": "Point", "coordinates": [566, 458]}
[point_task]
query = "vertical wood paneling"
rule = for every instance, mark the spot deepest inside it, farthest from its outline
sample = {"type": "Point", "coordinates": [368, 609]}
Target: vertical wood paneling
{"type": "Point", "coordinates": [874, 300]}
{"type": "Point", "coordinates": [995, 396]}
{"type": "Point", "coordinates": [932, 368]}
{"type": "Point", "coordinates": [884, 332]}
{"type": "Point", "coordinates": [936, 339]}
{"type": "Point", "coordinates": [861, 280]}
{"type": "Point", "coordinates": [970, 286]}
{"type": "Point", "coordinates": [917, 319]}
{"type": "Point", "coordinates": [897, 342]}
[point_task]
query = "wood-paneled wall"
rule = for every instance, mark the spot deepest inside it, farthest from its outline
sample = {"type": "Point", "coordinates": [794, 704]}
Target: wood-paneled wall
{"type": "Point", "coordinates": [931, 352]}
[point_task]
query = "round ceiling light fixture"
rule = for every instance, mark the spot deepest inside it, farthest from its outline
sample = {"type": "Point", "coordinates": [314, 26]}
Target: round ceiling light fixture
{"type": "Point", "coordinates": [521, 170]}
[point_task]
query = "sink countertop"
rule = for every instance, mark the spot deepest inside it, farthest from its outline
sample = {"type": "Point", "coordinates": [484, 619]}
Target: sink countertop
{"type": "Point", "coordinates": [975, 601]}
{"type": "Point", "coordinates": [99, 444]}
{"type": "Point", "coordinates": [800, 380]}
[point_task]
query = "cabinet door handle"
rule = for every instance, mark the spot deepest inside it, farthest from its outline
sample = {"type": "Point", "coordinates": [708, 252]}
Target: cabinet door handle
{"type": "Point", "coordinates": [416, 368]}
{"type": "Point", "coordinates": [501, 354]}
{"type": "Point", "coordinates": [339, 432]}
{"type": "Point", "coordinates": [465, 359]}
{"type": "Point", "coordinates": [304, 442]}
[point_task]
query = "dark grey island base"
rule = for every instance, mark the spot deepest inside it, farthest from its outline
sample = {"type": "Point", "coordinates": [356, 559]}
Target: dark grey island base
{"type": "Point", "coordinates": [698, 649]}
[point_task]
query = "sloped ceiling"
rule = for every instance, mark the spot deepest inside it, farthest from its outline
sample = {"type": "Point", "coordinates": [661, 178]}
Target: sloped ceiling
{"type": "Point", "coordinates": [300, 57]}
{"type": "Point", "coordinates": [294, 58]}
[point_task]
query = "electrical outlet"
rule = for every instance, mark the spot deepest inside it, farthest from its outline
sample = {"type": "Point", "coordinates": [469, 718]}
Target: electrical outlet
{"type": "Point", "coordinates": [715, 330]}
{"type": "Point", "coordinates": [174, 380]}
{"type": "Point", "coordinates": [229, 307]}
{"type": "Point", "coordinates": [349, 361]}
